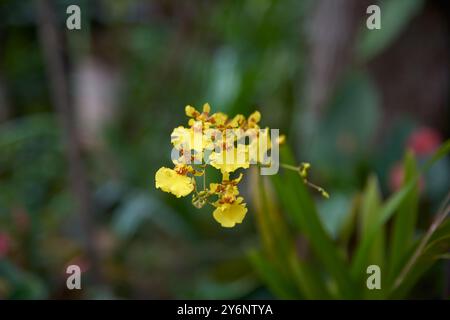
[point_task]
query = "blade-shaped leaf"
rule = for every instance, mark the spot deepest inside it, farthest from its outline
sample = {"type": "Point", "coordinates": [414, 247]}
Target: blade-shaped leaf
{"type": "Point", "coordinates": [370, 214]}
{"type": "Point", "coordinates": [279, 286]}
{"type": "Point", "coordinates": [438, 245]}
{"type": "Point", "coordinates": [405, 219]}
{"type": "Point", "coordinates": [394, 17]}
{"type": "Point", "coordinates": [308, 279]}
{"type": "Point", "coordinates": [304, 214]}
{"type": "Point", "coordinates": [360, 260]}
{"type": "Point", "coordinates": [370, 211]}
{"type": "Point", "coordinates": [275, 237]}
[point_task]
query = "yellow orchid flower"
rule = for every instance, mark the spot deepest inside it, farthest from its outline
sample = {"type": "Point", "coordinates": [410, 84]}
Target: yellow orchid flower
{"type": "Point", "coordinates": [227, 144]}
{"type": "Point", "coordinates": [188, 138]}
{"type": "Point", "coordinates": [229, 161]}
{"type": "Point", "coordinates": [237, 121]}
{"type": "Point", "coordinates": [229, 214]}
{"type": "Point", "coordinates": [169, 180]}
{"type": "Point", "coordinates": [260, 144]}
{"type": "Point", "coordinates": [219, 119]}
{"type": "Point", "coordinates": [253, 119]}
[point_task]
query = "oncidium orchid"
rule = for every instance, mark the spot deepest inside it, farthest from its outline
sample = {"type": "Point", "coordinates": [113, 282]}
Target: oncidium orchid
{"type": "Point", "coordinates": [224, 144]}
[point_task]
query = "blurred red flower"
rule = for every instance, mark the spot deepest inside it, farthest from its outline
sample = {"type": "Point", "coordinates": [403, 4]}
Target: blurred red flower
{"type": "Point", "coordinates": [424, 141]}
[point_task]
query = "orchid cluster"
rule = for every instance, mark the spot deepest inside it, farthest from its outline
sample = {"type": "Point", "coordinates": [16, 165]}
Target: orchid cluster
{"type": "Point", "coordinates": [225, 144]}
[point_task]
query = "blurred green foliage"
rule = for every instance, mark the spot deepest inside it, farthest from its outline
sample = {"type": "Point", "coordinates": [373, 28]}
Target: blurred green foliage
{"type": "Point", "coordinates": [238, 56]}
{"type": "Point", "coordinates": [301, 259]}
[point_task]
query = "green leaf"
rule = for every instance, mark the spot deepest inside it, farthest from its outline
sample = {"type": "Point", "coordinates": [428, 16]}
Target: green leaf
{"type": "Point", "coordinates": [300, 206]}
{"type": "Point", "coordinates": [361, 257]}
{"type": "Point", "coordinates": [370, 212]}
{"type": "Point", "coordinates": [280, 246]}
{"type": "Point", "coordinates": [308, 279]}
{"type": "Point", "coordinates": [395, 15]}
{"type": "Point", "coordinates": [269, 274]}
{"type": "Point", "coordinates": [405, 219]}
{"type": "Point", "coordinates": [438, 245]}
{"type": "Point", "coordinates": [349, 224]}
{"type": "Point", "coordinates": [443, 150]}
{"type": "Point", "coordinates": [360, 260]}
{"type": "Point", "coordinates": [275, 237]}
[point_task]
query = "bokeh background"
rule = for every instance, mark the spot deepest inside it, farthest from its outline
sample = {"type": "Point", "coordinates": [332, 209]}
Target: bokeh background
{"type": "Point", "coordinates": [86, 117]}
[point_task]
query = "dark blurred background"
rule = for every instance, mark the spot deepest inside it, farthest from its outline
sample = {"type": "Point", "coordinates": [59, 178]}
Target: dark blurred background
{"type": "Point", "coordinates": [86, 117]}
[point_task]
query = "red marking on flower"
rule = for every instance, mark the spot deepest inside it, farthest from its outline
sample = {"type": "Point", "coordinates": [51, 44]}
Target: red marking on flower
{"type": "Point", "coordinates": [424, 141]}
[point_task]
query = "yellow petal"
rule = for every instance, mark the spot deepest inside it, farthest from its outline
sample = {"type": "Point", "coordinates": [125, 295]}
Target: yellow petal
{"type": "Point", "coordinates": [191, 111]}
{"type": "Point", "coordinates": [237, 121]}
{"type": "Point", "coordinates": [227, 162]}
{"type": "Point", "coordinates": [231, 191]}
{"type": "Point", "coordinates": [255, 117]}
{"type": "Point", "coordinates": [281, 139]}
{"type": "Point", "coordinates": [188, 138]}
{"type": "Point", "coordinates": [219, 118]}
{"type": "Point", "coordinates": [259, 145]}
{"type": "Point", "coordinates": [213, 187]}
{"type": "Point", "coordinates": [168, 180]}
{"type": "Point", "coordinates": [230, 214]}
{"type": "Point", "coordinates": [206, 108]}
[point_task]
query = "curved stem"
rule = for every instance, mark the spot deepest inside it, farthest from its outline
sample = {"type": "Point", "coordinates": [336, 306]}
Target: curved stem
{"type": "Point", "coordinates": [439, 218]}
{"type": "Point", "coordinates": [316, 187]}
{"type": "Point", "coordinates": [204, 179]}
{"type": "Point", "coordinates": [301, 169]}
{"type": "Point", "coordinates": [289, 167]}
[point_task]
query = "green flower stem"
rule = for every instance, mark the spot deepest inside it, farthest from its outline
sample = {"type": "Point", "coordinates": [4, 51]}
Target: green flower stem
{"type": "Point", "coordinates": [204, 179]}
{"type": "Point", "coordinates": [289, 167]}
{"type": "Point", "coordinates": [301, 169]}
{"type": "Point", "coordinates": [319, 189]}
